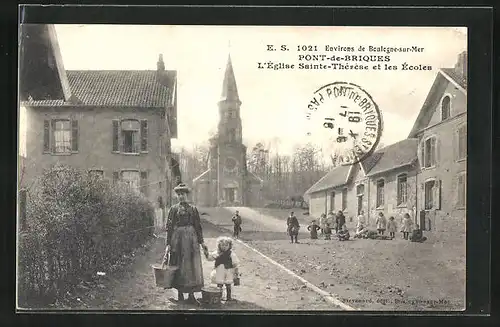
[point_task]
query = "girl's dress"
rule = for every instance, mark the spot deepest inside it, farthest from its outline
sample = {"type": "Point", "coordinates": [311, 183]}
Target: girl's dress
{"type": "Point", "coordinates": [407, 225]}
{"type": "Point", "coordinates": [225, 262]}
{"type": "Point", "coordinates": [381, 223]}
{"type": "Point", "coordinates": [391, 226]}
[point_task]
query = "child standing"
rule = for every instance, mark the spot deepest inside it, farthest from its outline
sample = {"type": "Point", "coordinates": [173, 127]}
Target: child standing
{"type": "Point", "coordinates": [322, 221]}
{"type": "Point", "coordinates": [381, 223]}
{"type": "Point", "coordinates": [293, 227]}
{"type": "Point", "coordinates": [328, 232]}
{"type": "Point", "coordinates": [225, 270]}
{"type": "Point", "coordinates": [391, 227]}
{"type": "Point", "coordinates": [313, 229]}
{"type": "Point", "coordinates": [407, 226]}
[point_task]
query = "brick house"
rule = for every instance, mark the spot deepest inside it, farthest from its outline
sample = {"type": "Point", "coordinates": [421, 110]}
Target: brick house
{"type": "Point", "coordinates": [423, 175]}
{"type": "Point", "coordinates": [441, 130]}
{"type": "Point", "coordinates": [116, 124]}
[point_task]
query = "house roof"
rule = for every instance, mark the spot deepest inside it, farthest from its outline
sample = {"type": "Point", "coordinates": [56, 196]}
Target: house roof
{"type": "Point", "coordinates": [370, 161]}
{"type": "Point", "coordinates": [456, 77]}
{"type": "Point", "coordinates": [424, 116]}
{"type": "Point", "coordinates": [116, 88]}
{"type": "Point", "coordinates": [338, 176]}
{"type": "Point", "coordinates": [400, 154]}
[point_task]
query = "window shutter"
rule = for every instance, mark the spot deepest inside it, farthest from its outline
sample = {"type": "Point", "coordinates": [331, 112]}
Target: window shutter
{"type": "Point", "coordinates": [437, 150]}
{"type": "Point", "coordinates": [74, 135]}
{"type": "Point", "coordinates": [116, 134]}
{"type": "Point", "coordinates": [46, 136]}
{"type": "Point", "coordinates": [52, 138]}
{"type": "Point", "coordinates": [116, 177]}
{"type": "Point", "coordinates": [456, 137]}
{"type": "Point", "coordinates": [144, 135]}
{"type": "Point", "coordinates": [144, 182]}
{"type": "Point", "coordinates": [421, 206]}
{"type": "Point", "coordinates": [437, 195]}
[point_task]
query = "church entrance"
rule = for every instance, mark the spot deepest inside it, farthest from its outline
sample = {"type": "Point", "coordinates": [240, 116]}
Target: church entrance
{"type": "Point", "coordinates": [230, 194]}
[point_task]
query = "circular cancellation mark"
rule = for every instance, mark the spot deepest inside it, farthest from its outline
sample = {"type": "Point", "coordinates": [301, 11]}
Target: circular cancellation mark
{"type": "Point", "coordinates": [346, 115]}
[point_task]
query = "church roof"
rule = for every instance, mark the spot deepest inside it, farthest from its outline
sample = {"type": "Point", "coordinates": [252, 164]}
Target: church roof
{"type": "Point", "coordinates": [229, 88]}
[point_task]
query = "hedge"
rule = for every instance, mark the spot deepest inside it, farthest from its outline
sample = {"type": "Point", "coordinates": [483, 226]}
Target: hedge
{"type": "Point", "coordinates": [76, 224]}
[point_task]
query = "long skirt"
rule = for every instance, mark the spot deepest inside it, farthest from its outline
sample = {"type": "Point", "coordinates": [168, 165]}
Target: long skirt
{"type": "Point", "coordinates": [186, 254]}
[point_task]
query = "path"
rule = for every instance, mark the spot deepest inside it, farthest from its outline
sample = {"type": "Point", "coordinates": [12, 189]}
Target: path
{"type": "Point", "coordinates": [263, 285]}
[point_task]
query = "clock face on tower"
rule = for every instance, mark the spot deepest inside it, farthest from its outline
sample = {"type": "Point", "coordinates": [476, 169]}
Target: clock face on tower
{"type": "Point", "coordinates": [230, 164]}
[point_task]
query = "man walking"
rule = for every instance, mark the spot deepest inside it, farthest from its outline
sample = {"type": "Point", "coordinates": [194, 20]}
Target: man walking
{"type": "Point", "coordinates": [237, 224]}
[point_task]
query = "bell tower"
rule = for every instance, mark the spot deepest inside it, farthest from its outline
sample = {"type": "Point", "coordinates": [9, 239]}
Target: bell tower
{"type": "Point", "coordinates": [231, 151]}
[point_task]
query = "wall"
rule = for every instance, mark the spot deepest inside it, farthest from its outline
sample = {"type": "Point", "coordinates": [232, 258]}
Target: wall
{"type": "Point", "coordinates": [450, 217]}
{"type": "Point", "coordinates": [391, 207]}
{"type": "Point", "coordinates": [95, 144]}
{"type": "Point", "coordinates": [317, 204]}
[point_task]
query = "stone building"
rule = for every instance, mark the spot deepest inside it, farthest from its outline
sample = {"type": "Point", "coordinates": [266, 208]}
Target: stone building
{"type": "Point", "coordinates": [116, 124]}
{"type": "Point", "coordinates": [423, 175]}
{"type": "Point", "coordinates": [227, 182]}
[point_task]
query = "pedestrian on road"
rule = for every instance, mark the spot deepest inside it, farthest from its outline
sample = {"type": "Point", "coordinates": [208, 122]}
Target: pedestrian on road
{"type": "Point", "coordinates": [381, 223]}
{"type": "Point", "coordinates": [237, 224]}
{"type": "Point", "coordinates": [391, 227]}
{"type": "Point", "coordinates": [407, 227]}
{"type": "Point", "coordinates": [340, 221]}
{"type": "Point", "coordinates": [293, 227]}
{"type": "Point", "coordinates": [313, 229]}
{"type": "Point", "coordinates": [226, 265]}
{"type": "Point", "coordinates": [322, 221]}
{"type": "Point", "coordinates": [328, 232]}
{"type": "Point", "coordinates": [184, 237]}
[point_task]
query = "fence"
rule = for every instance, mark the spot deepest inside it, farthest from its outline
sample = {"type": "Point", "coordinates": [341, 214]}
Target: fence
{"type": "Point", "coordinates": [76, 225]}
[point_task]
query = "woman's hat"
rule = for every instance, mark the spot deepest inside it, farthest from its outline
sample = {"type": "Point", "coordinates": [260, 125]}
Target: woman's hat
{"type": "Point", "coordinates": [181, 188]}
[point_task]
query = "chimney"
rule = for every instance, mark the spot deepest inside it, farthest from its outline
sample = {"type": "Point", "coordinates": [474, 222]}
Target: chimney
{"type": "Point", "coordinates": [160, 64]}
{"type": "Point", "coordinates": [461, 65]}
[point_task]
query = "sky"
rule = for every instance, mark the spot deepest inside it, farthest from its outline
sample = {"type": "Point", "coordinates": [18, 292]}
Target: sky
{"type": "Point", "coordinates": [273, 101]}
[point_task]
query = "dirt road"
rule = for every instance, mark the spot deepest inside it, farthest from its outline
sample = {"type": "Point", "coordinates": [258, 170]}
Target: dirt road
{"type": "Point", "coordinates": [366, 274]}
{"type": "Point", "coordinates": [263, 285]}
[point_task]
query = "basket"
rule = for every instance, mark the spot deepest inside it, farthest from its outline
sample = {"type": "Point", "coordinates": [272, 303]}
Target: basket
{"type": "Point", "coordinates": [211, 296]}
{"type": "Point", "coordinates": [164, 274]}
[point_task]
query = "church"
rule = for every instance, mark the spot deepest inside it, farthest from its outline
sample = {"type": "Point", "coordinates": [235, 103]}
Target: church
{"type": "Point", "coordinates": [227, 182]}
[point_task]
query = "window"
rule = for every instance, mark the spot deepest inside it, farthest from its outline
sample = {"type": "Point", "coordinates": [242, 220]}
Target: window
{"type": "Point", "coordinates": [380, 193]}
{"type": "Point", "coordinates": [461, 190]}
{"type": "Point", "coordinates": [232, 135]}
{"type": "Point", "coordinates": [132, 179]}
{"type": "Point", "coordinates": [344, 199]}
{"type": "Point", "coordinates": [445, 107]}
{"type": "Point", "coordinates": [60, 136]}
{"type": "Point", "coordinates": [360, 190]}
{"type": "Point", "coordinates": [402, 189]}
{"type": "Point", "coordinates": [462, 142]}
{"type": "Point", "coordinates": [130, 136]}
{"type": "Point", "coordinates": [429, 152]}
{"type": "Point", "coordinates": [432, 195]}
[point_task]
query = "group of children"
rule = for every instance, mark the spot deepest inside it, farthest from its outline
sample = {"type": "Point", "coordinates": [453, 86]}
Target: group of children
{"type": "Point", "coordinates": [338, 221]}
{"type": "Point", "coordinates": [382, 225]}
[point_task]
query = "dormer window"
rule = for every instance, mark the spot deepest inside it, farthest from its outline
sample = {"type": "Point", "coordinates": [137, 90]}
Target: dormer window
{"type": "Point", "coordinates": [445, 107]}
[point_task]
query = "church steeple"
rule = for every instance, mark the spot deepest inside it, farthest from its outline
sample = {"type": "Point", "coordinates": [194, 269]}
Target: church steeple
{"type": "Point", "coordinates": [229, 88]}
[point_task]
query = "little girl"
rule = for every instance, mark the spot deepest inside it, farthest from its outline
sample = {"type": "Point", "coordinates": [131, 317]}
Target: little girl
{"type": "Point", "coordinates": [226, 265]}
{"type": "Point", "coordinates": [407, 226]}
{"type": "Point", "coordinates": [391, 227]}
{"type": "Point", "coordinates": [313, 229]}
{"type": "Point", "coordinates": [343, 234]}
{"type": "Point", "coordinates": [328, 232]}
{"type": "Point", "coordinates": [381, 223]}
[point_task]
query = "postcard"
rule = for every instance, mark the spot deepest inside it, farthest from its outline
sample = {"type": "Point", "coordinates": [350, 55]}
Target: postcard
{"type": "Point", "coordinates": [242, 168]}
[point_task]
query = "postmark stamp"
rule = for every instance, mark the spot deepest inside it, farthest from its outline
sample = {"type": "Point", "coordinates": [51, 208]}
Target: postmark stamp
{"type": "Point", "coordinates": [346, 116]}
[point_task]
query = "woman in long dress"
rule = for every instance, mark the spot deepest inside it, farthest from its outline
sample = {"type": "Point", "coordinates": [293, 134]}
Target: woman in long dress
{"type": "Point", "coordinates": [184, 237]}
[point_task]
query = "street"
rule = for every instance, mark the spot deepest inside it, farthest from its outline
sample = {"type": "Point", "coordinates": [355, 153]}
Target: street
{"type": "Point", "coordinates": [359, 274]}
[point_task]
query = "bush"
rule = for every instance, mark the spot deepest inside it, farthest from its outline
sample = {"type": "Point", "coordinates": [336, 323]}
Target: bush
{"type": "Point", "coordinates": [76, 225]}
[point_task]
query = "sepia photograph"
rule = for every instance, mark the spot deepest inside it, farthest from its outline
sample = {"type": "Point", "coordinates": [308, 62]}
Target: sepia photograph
{"type": "Point", "coordinates": [241, 168]}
